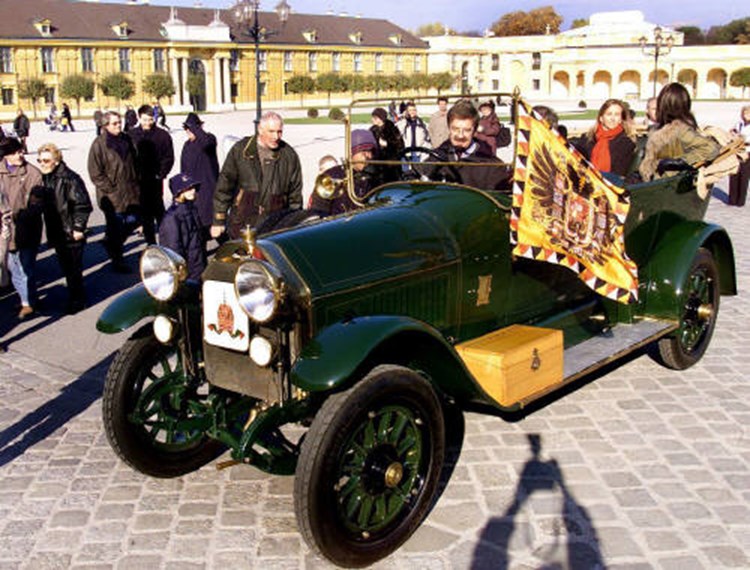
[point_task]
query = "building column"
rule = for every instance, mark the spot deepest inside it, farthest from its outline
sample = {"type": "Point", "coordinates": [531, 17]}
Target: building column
{"type": "Point", "coordinates": [218, 101]}
{"type": "Point", "coordinates": [183, 87]}
{"type": "Point", "coordinates": [227, 82]}
{"type": "Point", "coordinates": [174, 72]}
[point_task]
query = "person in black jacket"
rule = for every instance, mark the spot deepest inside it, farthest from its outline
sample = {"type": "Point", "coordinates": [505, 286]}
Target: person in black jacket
{"type": "Point", "coordinates": [21, 127]}
{"type": "Point", "coordinates": [67, 207]}
{"type": "Point", "coordinates": [155, 154]}
{"type": "Point", "coordinates": [199, 160]}
{"type": "Point", "coordinates": [66, 118]}
{"type": "Point", "coordinates": [389, 143]}
{"type": "Point", "coordinates": [180, 229]}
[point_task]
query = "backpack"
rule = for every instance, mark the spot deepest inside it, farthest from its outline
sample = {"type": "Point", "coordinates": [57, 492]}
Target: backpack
{"type": "Point", "coordinates": [503, 137]}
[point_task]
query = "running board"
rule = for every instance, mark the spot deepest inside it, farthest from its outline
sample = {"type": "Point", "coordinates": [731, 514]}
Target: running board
{"type": "Point", "coordinates": [611, 345]}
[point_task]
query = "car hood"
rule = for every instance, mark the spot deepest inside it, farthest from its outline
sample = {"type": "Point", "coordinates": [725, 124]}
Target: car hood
{"type": "Point", "coordinates": [405, 229]}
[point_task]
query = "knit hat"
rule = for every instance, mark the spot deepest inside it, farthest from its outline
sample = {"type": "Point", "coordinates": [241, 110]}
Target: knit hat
{"type": "Point", "coordinates": [362, 140]}
{"type": "Point", "coordinates": [191, 121]}
{"type": "Point", "coordinates": [381, 113]}
{"type": "Point", "coordinates": [180, 183]}
{"type": "Point", "coordinates": [489, 103]}
{"type": "Point", "coordinates": [9, 146]}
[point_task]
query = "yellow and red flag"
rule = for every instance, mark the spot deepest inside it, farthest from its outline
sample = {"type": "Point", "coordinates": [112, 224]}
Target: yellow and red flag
{"type": "Point", "coordinates": [565, 212]}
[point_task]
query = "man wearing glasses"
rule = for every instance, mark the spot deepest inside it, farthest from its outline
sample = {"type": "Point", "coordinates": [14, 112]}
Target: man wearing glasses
{"type": "Point", "coordinates": [66, 213]}
{"type": "Point", "coordinates": [112, 169]}
{"type": "Point", "coordinates": [21, 183]}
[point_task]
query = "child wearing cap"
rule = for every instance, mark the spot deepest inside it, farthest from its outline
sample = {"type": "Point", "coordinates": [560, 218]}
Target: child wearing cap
{"type": "Point", "coordinates": [180, 230]}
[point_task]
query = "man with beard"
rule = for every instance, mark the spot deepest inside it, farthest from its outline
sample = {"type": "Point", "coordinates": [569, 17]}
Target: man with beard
{"type": "Point", "coordinates": [483, 170]}
{"type": "Point", "coordinates": [155, 159]}
{"type": "Point", "coordinates": [67, 207]}
{"type": "Point", "coordinates": [261, 175]}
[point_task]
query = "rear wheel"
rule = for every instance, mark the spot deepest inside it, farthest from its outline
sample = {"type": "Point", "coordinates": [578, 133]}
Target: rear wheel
{"type": "Point", "coordinates": [369, 467]}
{"type": "Point", "coordinates": [151, 411]}
{"type": "Point", "coordinates": [700, 307]}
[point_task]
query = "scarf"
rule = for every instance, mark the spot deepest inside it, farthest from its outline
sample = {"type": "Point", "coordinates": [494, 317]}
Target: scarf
{"type": "Point", "coordinates": [600, 153]}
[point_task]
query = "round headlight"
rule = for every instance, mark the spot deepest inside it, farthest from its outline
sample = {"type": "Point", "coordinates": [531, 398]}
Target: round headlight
{"type": "Point", "coordinates": [162, 271]}
{"type": "Point", "coordinates": [163, 329]}
{"type": "Point", "coordinates": [258, 288]}
{"type": "Point", "coordinates": [261, 350]}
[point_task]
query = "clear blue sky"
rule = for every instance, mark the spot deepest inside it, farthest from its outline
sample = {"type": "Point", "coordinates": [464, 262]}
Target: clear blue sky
{"type": "Point", "coordinates": [466, 15]}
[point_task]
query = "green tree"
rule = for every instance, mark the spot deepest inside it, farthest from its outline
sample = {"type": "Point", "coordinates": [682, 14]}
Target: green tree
{"type": "Point", "coordinates": [536, 22]}
{"type": "Point", "coordinates": [301, 84]}
{"type": "Point", "coordinates": [355, 82]}
{"type": "Point", "coordinates": [442, 81]}
{"type": "Point", "coordinates": [744, 38]}
{"type": "Point", "coordinates": [32, 89]}
{"type": "Point", "coordinates": [433, 29]}
{"type": "Point", "coordinates": [158, 85]}
{"type": "Point", "coordinates": [400, 82]}
{"type": "Point", "coordinates": [330, 83]}
{"type": "Point", "coordinates": [694, 36]}
{"type": "Point", "coordinates": [729, 33]}
{"type": "Point", "coordinates": [374, 83]}
{"type": "Point", "coordinates": [579, 23]}
{"type": "Point", "coordinates": [740, 78]}
{"type": "Point", "coordinates": [420, 81]}
{"type": "Point", "coordinates": [117, 85]}
{"type": "Point", "coordinates": [78, 87]}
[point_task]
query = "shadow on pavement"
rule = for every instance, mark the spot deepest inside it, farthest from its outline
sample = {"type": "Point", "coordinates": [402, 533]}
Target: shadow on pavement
{"type": "Point", "coordinates": [37, 425]}
{"type": "Point", "coordinates": [574, 544]}
{"type": "Point", "coordinates": [100, 285]}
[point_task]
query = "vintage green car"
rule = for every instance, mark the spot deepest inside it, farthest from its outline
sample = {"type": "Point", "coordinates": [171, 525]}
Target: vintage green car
{"type": "Point", "coordinates": [336, 351]}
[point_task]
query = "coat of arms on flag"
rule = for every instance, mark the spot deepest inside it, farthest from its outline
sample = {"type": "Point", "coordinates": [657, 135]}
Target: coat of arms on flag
{"type": "Point", "coordinates": [565, 212]}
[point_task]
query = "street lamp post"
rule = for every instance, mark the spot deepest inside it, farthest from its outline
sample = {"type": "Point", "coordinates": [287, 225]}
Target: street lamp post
{"type": "Point", "coordinates": [661, 46]}
{"type": "Point", "coordinates": [246, 15]}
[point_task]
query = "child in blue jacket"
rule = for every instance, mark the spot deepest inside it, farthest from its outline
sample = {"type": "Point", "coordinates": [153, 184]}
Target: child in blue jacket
{"type": "Point", "coordinates": [180, 229]}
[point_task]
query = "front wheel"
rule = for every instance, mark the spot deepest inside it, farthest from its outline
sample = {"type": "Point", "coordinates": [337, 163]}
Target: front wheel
{"type": "Point", "coordinates": [700, 307]}
{"type": "Point", "coordinates": [152, 412]}
{"type": "Point", "coordinates": [369, 467]}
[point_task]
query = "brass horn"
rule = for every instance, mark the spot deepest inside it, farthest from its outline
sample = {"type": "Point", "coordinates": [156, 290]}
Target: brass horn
{"type": "Point", "coordinates": [328, 187]}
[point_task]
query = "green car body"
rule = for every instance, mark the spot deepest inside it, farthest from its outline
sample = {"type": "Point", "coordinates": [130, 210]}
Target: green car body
{"type": "Point", "coordinates": [423, 268]}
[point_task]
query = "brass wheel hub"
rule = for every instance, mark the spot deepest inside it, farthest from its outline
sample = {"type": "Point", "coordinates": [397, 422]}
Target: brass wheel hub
{"type": "Point", "coordinates": [705, 311]}
{"type": "Point", "coordinates": [393, 474]}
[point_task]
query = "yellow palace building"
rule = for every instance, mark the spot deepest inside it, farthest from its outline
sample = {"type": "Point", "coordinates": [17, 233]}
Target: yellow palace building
{"type": "Point", "coordinates": [51, 39]}
{"type": "Point", "coordinates": [601, 60]}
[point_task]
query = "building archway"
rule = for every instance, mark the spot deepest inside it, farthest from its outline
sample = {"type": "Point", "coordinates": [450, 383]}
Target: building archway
{"type": "Point", "coordinates": [689, 79]}
{"type": "Point", "coordinates": [629, 85]}
{"type": "Point", "coordinates": [716, 84]}
{"type": "Point", "coordinates": [518, 76]}
{"type": "Point", "coordinates": [196, 84]}
{"type": "Point", "coordinates": [662, 78]}
{"type": "Point", "coordinates": [560, 85]}
{"type": "Point", "coordinates": [601, 87]}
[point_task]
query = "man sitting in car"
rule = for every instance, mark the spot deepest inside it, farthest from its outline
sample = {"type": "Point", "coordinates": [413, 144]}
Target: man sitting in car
{"type": "Point", "coordinates": [482, 170]}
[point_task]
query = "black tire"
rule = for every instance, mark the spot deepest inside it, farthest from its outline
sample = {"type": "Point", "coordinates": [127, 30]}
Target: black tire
{"type": "Point", "coordinates": [700, 307]}
{"type": "Point", "coordinates": [377, 450]}
{"type": "Point", "coordinates": [145, 412]}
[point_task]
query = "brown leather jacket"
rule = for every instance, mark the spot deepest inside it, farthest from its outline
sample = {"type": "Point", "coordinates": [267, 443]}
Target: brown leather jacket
{"type": "Point", "coordinates": [115, 178]}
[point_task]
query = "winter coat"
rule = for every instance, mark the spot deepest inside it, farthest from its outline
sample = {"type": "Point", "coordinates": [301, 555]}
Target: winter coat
{"type": "Point", "coordinates": [251, 193]}
{"type": "Point", "coordinates": [130, 120]}
{"type": "Point", "coordinates": [199, 160]}
{"type": "Point", "coordinates": [21, 126]}
{"type": "Point", "coordinates": [180, 231]}
{"type": "Point", "coordinates": [6, 235]}
{"type": "Point", "coordinates": [621, 151]}
{"type": "Point", "coordinates": [414, 132]}
{"type": "Point", "coordinates": [490, 129]}
{"type": "Point", "coordinates": [25, 194]}
{"type": "Point", "coordinates": [115, 178]}
{"type": "Point", "coordinates": [485, 178]}
{"type": "Point", "coordinates": [676, 140]}
{"type": "Point", "coordinates": [65, 114]}
{"type": "Point", "coordinates": [438, 128]}
{"type": "Point", "coordinates": [391, 150]}
{"type": "Point", "coordinates": [67, 205]}
{"type": "Point", "coordinates": [155, 153]}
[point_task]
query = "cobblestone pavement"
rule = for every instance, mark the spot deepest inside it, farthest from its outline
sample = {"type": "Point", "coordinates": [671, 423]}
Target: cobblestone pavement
{"type": "Point", "coordinates": [641, 468]}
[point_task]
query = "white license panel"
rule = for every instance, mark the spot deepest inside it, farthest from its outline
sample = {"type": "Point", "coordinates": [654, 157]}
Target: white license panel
{"type": "Point", "coordinates": [225, 324]}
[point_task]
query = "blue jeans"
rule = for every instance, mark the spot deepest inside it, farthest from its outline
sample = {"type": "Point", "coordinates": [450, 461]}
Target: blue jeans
{"type": "Point", "coordinates": [22, 266]}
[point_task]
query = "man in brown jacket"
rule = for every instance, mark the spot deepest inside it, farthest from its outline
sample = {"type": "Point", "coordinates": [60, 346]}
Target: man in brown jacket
{"type": "Point", "coordinates": [112, 168]}
{"type": "Point", "coordinates": [22, 185]}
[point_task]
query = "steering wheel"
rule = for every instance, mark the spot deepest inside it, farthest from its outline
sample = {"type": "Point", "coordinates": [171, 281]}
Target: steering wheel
{"type": "Point", "coordinates": [414, 172]}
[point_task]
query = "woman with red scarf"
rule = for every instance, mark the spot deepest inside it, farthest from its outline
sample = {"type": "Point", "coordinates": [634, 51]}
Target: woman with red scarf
{"type": "Point", "coordinates": [610, 144]}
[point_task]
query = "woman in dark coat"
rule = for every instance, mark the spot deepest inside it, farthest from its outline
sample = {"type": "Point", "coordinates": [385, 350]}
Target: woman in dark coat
{"type": "Point", "coordinates": [200, 162]}
{"type": "Point", "coordinates": [390, 142]}
{"type": "Point", "coordinates": [489, 126]}
{"type": "Point", "coordinates": [610, 144]}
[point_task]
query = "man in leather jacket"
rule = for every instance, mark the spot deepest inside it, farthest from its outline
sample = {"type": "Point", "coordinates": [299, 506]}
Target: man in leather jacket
{"type": "Point", "coordinates": [67, 207]}
{"type": "Point", "coordinates": [261, 175]}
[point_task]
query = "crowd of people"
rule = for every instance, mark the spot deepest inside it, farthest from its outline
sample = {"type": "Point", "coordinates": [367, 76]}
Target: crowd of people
{"type": "Point", "coordinates": [261, 177]}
